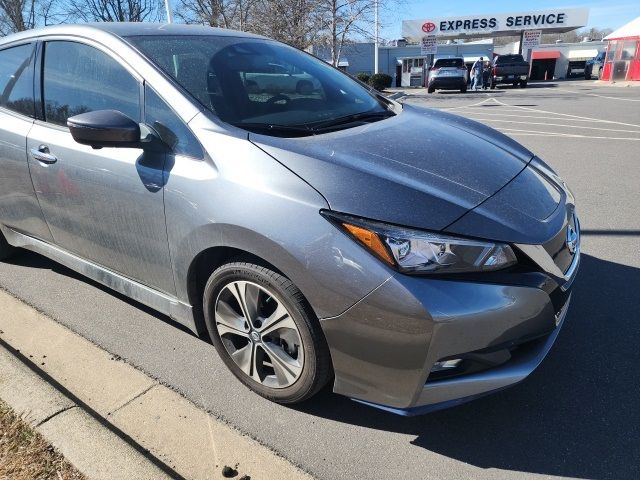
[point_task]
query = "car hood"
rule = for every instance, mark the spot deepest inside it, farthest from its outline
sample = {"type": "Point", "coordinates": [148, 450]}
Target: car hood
{"type": "Point", "coordinates": [422, 168]}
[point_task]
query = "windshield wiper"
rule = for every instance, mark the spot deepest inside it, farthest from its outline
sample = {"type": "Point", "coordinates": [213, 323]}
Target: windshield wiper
{"type": "Point", "coordinates": [355, 117]}
{"type": "Point", "coordinates": [275, 129]}
{"type": "Point", "coordinates": [315, 127]}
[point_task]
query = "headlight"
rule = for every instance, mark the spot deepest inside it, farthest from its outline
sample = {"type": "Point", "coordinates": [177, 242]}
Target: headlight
{"type": "Point", "coordinates": [415, 251]}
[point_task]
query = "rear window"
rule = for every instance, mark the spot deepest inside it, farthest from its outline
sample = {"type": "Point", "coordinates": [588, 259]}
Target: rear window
{"type": "Point", "coordinates": [449, 62]}
{"type": "Point", "coordinates": [509, 59]}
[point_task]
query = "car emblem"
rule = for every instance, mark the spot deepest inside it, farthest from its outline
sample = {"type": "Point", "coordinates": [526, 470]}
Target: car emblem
{"type": "Point", "coordinates": [428, 27]}
{"type": "Point", "coordinates": [572, 239]}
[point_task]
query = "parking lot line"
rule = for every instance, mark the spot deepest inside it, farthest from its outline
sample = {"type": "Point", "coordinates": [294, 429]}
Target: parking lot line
{"type": "Point", "coordinates": [596, 95]}
{"type": "Point", "coordinates": [529, 109]}
{"type": "Point", "coordinates": [559, 125]}
{"type": "Point", "coordinates": [512, 131]}
{"type": "Point", "coordinates": [539, 117]}
{"type": "Point", "coordinates": [466, 106]}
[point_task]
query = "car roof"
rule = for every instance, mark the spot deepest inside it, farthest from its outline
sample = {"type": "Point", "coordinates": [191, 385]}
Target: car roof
{"type": "Point", "coordinates": [126, 29]}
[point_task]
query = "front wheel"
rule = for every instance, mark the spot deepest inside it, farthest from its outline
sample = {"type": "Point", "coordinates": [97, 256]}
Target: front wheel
{"type": "Point", "coordinates": [431, 90]}
{"type": "Point", "coordinates": [463, 89]}
{"type": "Point", "coordinates": [266, 333]}
{"type": "Point", "coordinates": [523, 84]}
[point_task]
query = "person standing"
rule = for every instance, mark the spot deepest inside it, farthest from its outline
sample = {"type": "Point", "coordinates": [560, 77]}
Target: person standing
{"type": "Point", "coordinates": [476, 71]}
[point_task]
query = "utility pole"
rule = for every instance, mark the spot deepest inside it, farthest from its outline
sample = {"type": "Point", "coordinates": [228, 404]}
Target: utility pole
{"type": "Point", "coordinates": [377, 32]}
{"type": "Point", "coordinates": [167, 6]}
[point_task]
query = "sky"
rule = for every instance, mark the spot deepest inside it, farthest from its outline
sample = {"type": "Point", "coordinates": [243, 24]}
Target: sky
{"type": "Point", "coordinates": [602, 14]}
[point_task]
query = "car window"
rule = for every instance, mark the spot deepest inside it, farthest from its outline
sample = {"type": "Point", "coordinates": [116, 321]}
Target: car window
{"type": "Point", "coordinates": [509, 59]}
{"type": "Point", "coordinates": [79, 79]}
{"type": "Point", "coordinates": [449, 62]}
{"type": "Point", "coordinates": [16, 79]}
{"type": "Point", "coordinates": [248, 81]}
{"type": "Point", "coordinates": [169, 126]}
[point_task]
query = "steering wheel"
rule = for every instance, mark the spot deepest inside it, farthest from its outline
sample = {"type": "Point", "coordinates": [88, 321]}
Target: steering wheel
{"type": "Point", "coordinates": [278, 98]}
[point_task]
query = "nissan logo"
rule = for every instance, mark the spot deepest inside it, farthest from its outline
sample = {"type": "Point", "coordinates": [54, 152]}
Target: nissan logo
{"type": "Point", "coordinates": [428, 27]}
{"type": "Point", "coordinates": [572, 239]}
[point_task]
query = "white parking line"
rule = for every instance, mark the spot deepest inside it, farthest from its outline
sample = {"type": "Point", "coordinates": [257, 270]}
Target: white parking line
{"type": "Point", "coordinates": [528, 109]}
{"type": "Point", "coordinates": [539, 117]}
{"type": "Point", "coordinates": [581, 127]}
{"type": "Point", "coordinates": [465, 106]}
{"type": "Point", "coordinates": [596, 95]}
{"type": "Point", "coordinates": [512, 131]}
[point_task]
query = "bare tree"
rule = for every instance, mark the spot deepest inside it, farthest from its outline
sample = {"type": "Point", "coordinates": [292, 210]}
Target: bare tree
{"type": "Point", "coordinates": [17, 15]}
{"type": "Point", "coordinates": [116, 10]}
{"type": "Point", "coordinates": [296, 22]}
{"type": "Point", "coordinates": [345, 20]}
{"type": "Point", "coordinates": [235, 14]}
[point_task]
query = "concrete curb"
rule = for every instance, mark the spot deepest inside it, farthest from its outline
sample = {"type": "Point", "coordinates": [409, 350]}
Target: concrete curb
{"type": "Point", "coordinates": [109, 419]}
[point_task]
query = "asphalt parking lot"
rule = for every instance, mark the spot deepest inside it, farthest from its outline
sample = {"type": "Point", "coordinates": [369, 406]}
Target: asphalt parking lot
{"type": "Point", "coordinates": [578, 415]}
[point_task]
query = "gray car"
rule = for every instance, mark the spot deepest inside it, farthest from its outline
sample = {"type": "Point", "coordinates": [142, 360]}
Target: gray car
{"type": "Point", "coordinates": [413, 258]}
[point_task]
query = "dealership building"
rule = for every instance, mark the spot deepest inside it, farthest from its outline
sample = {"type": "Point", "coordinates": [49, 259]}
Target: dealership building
{"type": "Point", "coordinates": [471, 37]}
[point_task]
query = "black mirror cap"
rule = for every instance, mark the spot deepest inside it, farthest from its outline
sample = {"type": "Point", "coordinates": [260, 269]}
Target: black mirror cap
{"type": "Point", "coordinates": [105, 128]}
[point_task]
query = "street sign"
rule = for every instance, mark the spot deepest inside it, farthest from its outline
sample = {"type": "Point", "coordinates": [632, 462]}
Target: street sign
{"type": "Point", "coordinates": [531, 39]}
{"type": "Point", "coordinates": [429, 45]}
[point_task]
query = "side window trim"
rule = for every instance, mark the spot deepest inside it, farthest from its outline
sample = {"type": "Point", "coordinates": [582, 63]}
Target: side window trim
{"type": "Point", "coordinates": [38, 84]}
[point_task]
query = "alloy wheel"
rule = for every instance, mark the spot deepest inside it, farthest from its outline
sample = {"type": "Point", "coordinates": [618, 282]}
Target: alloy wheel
{"type": "Point", "coordinates": [259, 334]}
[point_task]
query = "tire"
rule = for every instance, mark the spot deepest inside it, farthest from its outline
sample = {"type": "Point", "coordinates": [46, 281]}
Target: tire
{"type": "Point", "coordinates": [523, 84]}
{"type": "Point", "coordinates": [431, 90]}
{"type": "Point", "coordinates": [463, 89]}
{"type": "Point", "coordinates": [6, 250]}
{"type": "Point", "coordinates": [293, 334]}
{"type": "Point", "coordinates": [492, 86]}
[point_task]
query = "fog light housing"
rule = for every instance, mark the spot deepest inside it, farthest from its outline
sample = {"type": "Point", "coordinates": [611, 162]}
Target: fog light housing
{"type": "Point", "coordinates": [445, 365]}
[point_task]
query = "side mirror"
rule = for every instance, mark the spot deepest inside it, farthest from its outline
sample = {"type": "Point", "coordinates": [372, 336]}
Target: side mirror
{"type": "Point", "coordinates": [105, 128]}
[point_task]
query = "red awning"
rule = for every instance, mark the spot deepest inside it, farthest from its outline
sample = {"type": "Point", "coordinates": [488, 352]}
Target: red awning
{"type": "Point", "coordinates": [545, 54]}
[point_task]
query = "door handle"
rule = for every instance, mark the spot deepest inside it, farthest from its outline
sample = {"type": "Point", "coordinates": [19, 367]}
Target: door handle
{"type": "Point", "coordinates": [42, 154]}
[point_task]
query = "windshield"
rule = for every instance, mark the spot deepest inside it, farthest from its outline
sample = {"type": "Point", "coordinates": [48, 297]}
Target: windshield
{"type": "Point", "coordinates": [253, 83]}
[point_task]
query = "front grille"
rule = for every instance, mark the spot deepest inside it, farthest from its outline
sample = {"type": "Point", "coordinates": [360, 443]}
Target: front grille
{"type": "Point", "coordinates": [558, 249]}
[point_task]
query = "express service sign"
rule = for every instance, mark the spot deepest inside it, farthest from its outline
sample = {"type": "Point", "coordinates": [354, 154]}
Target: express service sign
{"type": "Point", "coordinates": [478, 25]}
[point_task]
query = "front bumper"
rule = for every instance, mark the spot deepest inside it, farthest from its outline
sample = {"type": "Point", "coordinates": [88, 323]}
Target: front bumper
{"type": "Point", "coordinates": [384, 347]}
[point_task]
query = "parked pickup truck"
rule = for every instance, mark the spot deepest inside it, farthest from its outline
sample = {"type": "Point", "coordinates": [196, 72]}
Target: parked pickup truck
{"type": "Point", "coordinates": [511, 69]}
{"type": "Point", "coordinates": [593, 67]}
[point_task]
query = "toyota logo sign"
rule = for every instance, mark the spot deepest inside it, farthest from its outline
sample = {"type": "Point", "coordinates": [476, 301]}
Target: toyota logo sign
{"type": "Point", "coordinates": [428, 27]}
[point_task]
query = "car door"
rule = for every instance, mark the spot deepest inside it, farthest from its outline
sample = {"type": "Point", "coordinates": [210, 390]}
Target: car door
{"type": "Point", "coordinates": [19, 208]}
{"type": "Point", "coordinates": [103, 205]}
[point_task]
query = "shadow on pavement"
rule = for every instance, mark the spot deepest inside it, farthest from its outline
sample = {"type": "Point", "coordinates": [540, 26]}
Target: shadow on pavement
{"type": "Point", "coordinates": [34, 260]}
{"type": "Point", "coordinates": [578, 415]}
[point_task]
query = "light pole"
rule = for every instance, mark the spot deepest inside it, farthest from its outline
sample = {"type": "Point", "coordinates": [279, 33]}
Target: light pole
{"type": "Point", "coordinates": [167, 6]}
{"type": "Point", "coordinates": [375, 47]}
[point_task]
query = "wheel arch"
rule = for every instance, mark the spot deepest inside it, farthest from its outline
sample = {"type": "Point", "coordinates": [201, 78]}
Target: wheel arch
{"type": "Point", "coordinates": [204, 264]}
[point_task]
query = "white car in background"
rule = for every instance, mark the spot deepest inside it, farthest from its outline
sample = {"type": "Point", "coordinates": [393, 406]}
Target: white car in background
{"type": "Point", "coordinates": [278, 79]}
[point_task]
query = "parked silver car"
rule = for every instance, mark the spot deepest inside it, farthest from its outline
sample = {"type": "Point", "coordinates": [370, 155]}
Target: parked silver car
{"type": "Point", "coordinates": [415, 258]}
